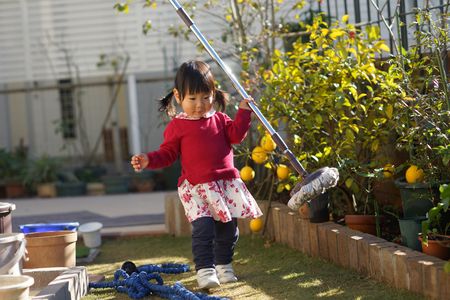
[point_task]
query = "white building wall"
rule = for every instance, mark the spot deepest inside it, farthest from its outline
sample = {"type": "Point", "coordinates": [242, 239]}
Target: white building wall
{"type": "Point", "coordinates": [35, 35]}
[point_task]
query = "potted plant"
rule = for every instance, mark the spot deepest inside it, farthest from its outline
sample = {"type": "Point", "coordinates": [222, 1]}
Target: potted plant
{"type": "Point", "coordinates": [435, 236]}
{"type": "Point", "coordinates": [423, 121]}
{"type": "Point", "coordinates": [69, 185]}
{"type": "Point", "coordinates": [42, 175]}
{"type": "Point", "coordinates": [332, 99]}
{"type": "Point", "coordinates": [91, 176]}
{"type": "Point", "coordinates": [13, 166]}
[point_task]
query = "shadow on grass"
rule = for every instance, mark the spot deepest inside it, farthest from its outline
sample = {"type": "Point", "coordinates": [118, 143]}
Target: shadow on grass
{"type": "Point", "coordinates": [274, 272]}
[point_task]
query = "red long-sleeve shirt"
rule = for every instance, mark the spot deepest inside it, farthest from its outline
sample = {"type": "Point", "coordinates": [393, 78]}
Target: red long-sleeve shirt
{"type": "Point", "coordinates": [204, 146]}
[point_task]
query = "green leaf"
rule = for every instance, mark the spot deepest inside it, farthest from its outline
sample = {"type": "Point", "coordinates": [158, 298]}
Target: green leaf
{"type": "Point", "coordinates": [122, 7]}
{"type": "Point", "coordinates": [349, 182]}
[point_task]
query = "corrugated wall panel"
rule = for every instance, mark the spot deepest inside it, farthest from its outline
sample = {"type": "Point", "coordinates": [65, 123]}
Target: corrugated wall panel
{"type": "Point", "coordinates": [85, 29]}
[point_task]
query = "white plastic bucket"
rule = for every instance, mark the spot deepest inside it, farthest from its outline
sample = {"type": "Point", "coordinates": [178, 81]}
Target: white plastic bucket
{"type": "Point", "coordinates": [91, 234]}
{"type": "Point", "coordinates": [15, 287]}
{"type": "Point", "coordinates": [12, 250]}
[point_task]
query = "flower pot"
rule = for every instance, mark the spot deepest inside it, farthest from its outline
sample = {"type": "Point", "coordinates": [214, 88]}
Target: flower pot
{"type": "Point", "coordinates": [5, 217]}
{"type": "Point", "coordinates": [12, 250]}
{"type": "Point", "coordinates": [92, 237]}
{"type": "Point", "coordinates": [410, 229]}
{"type": "Point", "coordinates": [303, 211]}
{"type": "Point", "coordinates": [95, 189]}
{"type": "Point", "coordinates": [15, 287]}
{"type": "Point", "coordinates": [51, 249]}
{"type": "Point", "coordinates": [14, 190]}
{"type": "Point", "coordinates": [318, 209]}
{"type": "Point", "coordinates": [116, 184]}
{"type": "Point", "coordinates": [436, 248]}
{"type": "Point", "coordinates": [67, 189]}
{"type": "Point", "coordinates": [363, 223]}
{"type": "Point", "coordinates": [46, 190]}
{"type": "Point", "coordinates": [418, 198]}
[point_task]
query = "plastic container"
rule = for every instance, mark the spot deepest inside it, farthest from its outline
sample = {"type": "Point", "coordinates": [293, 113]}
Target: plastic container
{"type": "Point", "coordinates": [15, 287]}
{"type": "Point", "coordinates": [410, 229]}
{"type": "Point", "coordinates": [91, 234]}
{"type": "Point", "coordinates": [51, 249]}
{"type": "Point", "coordinates": [46, 227]}
{"type": "Point", "coordinates": [12, 250]}
{"type": "Point", "coordinates": [5, 217]}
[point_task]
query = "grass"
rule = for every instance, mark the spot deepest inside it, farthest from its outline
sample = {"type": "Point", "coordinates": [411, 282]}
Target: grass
{"type": "Point", "coordinates": [265, 271]}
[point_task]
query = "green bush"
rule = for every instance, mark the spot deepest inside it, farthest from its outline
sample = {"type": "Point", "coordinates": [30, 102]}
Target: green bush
{"type": "Point", "coordinates": [336, 102]}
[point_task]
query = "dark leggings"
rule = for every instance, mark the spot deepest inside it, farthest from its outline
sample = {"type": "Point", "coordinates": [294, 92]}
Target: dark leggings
{"type": "Point", "coordinates": [213, 242]}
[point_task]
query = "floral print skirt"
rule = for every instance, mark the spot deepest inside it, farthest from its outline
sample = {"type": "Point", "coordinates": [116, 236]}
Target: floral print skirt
{"type": "Point", "coordinates": [222, 200]}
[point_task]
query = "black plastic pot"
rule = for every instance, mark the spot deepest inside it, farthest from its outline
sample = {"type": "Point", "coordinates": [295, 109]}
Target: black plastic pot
{"type": "Point", "coordinates": [318, 209]}
{"type": "Point", "coordinates": [417, 198]}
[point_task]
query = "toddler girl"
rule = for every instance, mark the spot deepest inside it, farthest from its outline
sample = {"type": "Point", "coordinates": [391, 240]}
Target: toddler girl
{"type": "Point", "coordinates": [212, 194]}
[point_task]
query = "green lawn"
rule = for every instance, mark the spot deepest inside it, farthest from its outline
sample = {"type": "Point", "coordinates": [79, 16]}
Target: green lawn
{"type": "Point", "coordinates": [265, 271]}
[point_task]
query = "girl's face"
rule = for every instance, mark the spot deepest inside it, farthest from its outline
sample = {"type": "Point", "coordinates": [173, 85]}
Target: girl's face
{"type": "Point", "coordinates": [195, 105]}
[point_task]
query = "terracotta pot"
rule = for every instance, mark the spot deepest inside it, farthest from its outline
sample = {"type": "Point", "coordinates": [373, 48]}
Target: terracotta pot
{"type": "Point", "coordinates": [436, 248]}
{"type": "Point", "coordinates": [51, 249]}
{"type": "Point", "coordinates": [14, 190]}
{"type": "Point", "coordinates": [363, 223]}
{"type": "Point", "coordinates": [303, 211]}
{"type": "Point", "coordinates": [95, 189]}
{"type": "Point", "coordinates": [46, 190]}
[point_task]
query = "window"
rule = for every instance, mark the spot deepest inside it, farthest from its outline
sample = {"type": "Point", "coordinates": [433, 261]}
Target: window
{"type": "Point", "coordinates": [67, 108]}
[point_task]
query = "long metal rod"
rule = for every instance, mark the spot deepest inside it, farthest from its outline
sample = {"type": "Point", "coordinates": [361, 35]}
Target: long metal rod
{"type": "Point", "coordinates": [275, 136]}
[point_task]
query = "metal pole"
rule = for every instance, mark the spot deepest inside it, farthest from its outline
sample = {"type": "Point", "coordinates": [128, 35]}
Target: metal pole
{"type": "Point", "coordinates": [275, 136]}
{"type": "Point", "coordinates": [133, 115]}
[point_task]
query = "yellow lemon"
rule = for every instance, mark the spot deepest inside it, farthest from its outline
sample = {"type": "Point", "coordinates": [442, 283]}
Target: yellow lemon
{"type": "Point", "coordinates": [259, 156]}
{"type": "Point", "coordinates": [256, 225]}
{"type": "Point", "coordinates": [388, 171]}
{"type": "Point", "coordinates": [414, 174]}
{"type": "Point", "coordinates": [247, 173]}
{"type": "Point", "coordinates": [268, 143]}
{"type": "Point", "coordinates": [282, 172]}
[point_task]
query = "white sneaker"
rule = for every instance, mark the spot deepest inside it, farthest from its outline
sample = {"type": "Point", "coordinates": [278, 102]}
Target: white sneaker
{"type": "Point", "coordinates": [207, 278]}
{"type": "Point", "coordinates": [225, 273]}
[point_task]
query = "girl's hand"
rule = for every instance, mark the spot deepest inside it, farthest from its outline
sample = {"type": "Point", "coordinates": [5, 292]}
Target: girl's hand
{"type": "Point", "coordinates": [139, 162]}
{"type": "Point", "coordinates": [244, 103]}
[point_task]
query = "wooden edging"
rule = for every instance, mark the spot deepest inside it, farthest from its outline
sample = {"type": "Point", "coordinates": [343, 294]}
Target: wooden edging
{"type": "Point", "coordinates": [369, 255]}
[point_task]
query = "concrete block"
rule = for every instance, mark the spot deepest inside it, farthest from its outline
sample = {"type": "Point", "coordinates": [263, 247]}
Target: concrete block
{"type": "Point", "coordinates": [304, 227]}
{"type": "Point", "coordinates": [313, 239]}
{"type": "Point", "coordinates": [401, 268]}
{"type": "Point", "coordinates": [298, 242]}
{"type": "Point", "coordinates": [444, 284]}
{"type": "Point", "coordinates": [322, 229]}
{"type": "Point", "coordinates": [284, 226]}
{"type": "Point", "coordinates": [416, 273]}
{"type": "Point", "coordinates": [354, 237]}
{"type": "Point", "coordinates": [69, 283]}
{"type": "Point", "coordinates": [432, 268]}
{"type": "Point", "coordinates": [363, 245]}
{"type": "Point", "coordinates": [276, 211]}
{"type": "Point", "coordinates": [332, 234]}
{"type": "Point", "coordinates": [375, 258]}
{"type": "Point", "coordinates": [343, 251]}
{"type": "Point", "coordinates": [291, 230]}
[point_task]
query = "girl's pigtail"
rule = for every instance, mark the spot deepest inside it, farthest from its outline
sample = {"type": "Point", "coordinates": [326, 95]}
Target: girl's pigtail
{"type": "Point", "coordinates": [221, 98]}
{"type": "Point", "coordinates": [166, 105]}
